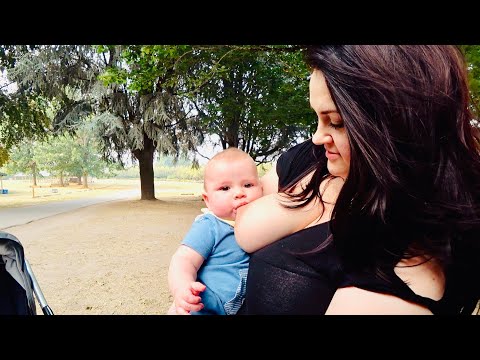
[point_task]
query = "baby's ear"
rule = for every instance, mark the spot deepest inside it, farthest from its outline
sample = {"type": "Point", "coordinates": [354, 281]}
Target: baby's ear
{"type": "Point", "coordinates": [205, 197]}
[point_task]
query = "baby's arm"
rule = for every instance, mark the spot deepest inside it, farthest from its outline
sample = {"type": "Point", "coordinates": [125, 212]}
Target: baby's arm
{"type": "Point", "coordinates": [182, 276]}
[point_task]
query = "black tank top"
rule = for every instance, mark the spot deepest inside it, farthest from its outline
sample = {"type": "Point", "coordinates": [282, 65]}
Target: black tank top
{"type": "Point", "coordinates": [284, 279]}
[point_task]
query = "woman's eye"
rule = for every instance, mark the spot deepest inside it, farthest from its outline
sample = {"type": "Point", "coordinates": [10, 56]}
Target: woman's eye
{"type": "Point", "coordinates": [336, 126]}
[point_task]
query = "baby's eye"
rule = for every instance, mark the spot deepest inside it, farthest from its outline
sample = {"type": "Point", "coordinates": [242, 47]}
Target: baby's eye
{"type": "Point", "coordinates": [225, 188]}
{"type": "Point", "coordinates": [248, 185]}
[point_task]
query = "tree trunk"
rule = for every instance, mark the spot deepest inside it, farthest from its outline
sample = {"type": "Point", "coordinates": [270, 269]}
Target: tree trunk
{"type": "Point", "coordinates": [145, 161]}
{"type": "Point", "coordinates": [85, 177]}
{"type": "Point", "coordinates": [61, 179]}
{"type": "Point", "coordinates": [34, 168]}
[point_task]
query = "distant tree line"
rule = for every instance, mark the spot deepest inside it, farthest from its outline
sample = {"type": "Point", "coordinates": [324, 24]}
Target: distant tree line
{"type": "Point", "coordinates": [140, 101]}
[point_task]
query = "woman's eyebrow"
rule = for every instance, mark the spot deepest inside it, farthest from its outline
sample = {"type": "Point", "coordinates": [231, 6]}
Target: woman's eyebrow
{"type": "Point", "coordinates": [325, 112]}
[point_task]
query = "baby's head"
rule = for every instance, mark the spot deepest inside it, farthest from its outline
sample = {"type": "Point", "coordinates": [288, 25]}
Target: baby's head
{"type": "Point", "coordinates": [230, 181]}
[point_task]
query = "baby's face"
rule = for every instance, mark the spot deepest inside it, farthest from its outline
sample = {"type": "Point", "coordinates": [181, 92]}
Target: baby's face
{"type": "Point", "coordinates": [229, 185]}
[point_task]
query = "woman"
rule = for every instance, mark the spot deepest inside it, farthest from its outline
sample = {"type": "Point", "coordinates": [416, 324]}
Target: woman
{"type": "Point", "coordinates": [379, 212]}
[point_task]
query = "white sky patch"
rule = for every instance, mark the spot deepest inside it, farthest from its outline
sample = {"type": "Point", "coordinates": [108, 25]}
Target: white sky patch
{"type": "Point", "coordinates": [7, 86]}
{"type": "Point", "coordinates": [210, 147]}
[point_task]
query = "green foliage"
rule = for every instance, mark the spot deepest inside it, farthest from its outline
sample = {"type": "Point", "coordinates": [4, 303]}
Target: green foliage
{"type": "Point", "coordinates": [150, 99]}
{"type": "Point", "coordinates": [86, 157]}
{"type": "Point", "coordinates": [258, 102]}
{"type": "Point", "coordinates": [55, 154]}
{"type": "Point", "coordinates": [22, 117]}
{"type": "Point", "coordinates": [9, 54]}
{"type": "Point", "coordinates": [114, 75]}
{"type": "Point", "coordinates": [148, 68]}
{"type": "Point", "coordinates": [3, 156]}
{"type": "Point", "coordinates": [130, 89]}
{"type": "Point", "coordinates": [22, 159]}
{"type": "Point", "coordinates": [59, 155]}
{"type": "Point", "coordinates": [141, 111]}
{"type": "Point", "coordinates": [264, 168]}
{"type": "Point", "coordinates": [472, 55]}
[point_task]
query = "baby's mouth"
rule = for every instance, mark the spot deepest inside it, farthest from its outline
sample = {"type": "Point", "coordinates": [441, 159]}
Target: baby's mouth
{"type": "Point", "coordinates": [240, 205]}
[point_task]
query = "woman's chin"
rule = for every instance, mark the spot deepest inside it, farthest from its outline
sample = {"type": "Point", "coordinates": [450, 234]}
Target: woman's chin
{"type": "Point", "coordinates": [337, 170]}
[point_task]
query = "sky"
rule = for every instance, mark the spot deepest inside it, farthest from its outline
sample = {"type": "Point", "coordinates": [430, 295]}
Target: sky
{"type": "Point", "coordinates": [4, 81]}
{"type": "Point", "coordinates": [208, 149]}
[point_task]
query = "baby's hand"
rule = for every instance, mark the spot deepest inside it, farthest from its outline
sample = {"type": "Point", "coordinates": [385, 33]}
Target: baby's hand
{"type": "Point", "coordinates": [188, 299]}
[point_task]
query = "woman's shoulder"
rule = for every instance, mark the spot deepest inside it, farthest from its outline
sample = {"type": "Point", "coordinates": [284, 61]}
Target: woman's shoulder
{"type": "Point", "coordinates": [417, 286]}
{"type": "Point", "coordinates": [298, 161]}
{"type": "Point", "coordinates": [300, 150]}
{"type": "Point", "coordinates": [425, 277]}
{"type": "Point", "coordinates": [358, 301]}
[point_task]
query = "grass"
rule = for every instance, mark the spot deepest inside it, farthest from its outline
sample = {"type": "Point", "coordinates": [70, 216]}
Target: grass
{"type": "Point", "coordinates": [20, 192]}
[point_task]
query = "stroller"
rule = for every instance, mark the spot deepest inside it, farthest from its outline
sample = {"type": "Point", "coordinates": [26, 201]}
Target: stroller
{"type": "Point", "coordinates": [18, 284]}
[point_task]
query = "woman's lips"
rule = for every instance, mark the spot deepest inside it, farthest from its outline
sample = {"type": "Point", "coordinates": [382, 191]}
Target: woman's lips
{"type": "Point", "coordinates": [331, 155]}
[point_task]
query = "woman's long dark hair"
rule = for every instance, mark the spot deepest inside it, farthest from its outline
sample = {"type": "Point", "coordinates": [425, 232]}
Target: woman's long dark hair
{"type": "Point", "coordinates": [413, 186]}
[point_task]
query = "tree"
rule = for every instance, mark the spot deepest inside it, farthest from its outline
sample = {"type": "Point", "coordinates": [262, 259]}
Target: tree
{"type": "Point", "coordinates": [258, 101]}
{"type": "Point", "coordinates": [472, 55]}
{"type": "Point", "coordinates": [136, 110]}
{"type": "Point", "coordinates": [55, 155]}
{"type": "Point", "coordinates": [22, 159]}
{"type": "Point", "coordinates": [150, 99]}
{"type": "Point", "coordinates": [22, 113]}
{"type": "Point", "coordinates": [141, 112]}
{"type": "Point", "coordinates": [85, 158]}
{"type": "Point", "coordinates": [252, 97]}
{"type": "Point", "coordinates": [3, 156]}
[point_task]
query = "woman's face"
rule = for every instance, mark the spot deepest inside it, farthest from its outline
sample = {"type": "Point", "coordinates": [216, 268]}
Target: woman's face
{"type": "Point", "coordinates": [330, 130]}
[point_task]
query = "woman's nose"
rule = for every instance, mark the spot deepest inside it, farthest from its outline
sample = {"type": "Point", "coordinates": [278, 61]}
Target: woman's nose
{"type": "Point", "coordinates": [321, 136]}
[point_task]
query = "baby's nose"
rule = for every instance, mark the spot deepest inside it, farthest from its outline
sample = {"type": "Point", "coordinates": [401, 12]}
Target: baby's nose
{"type": "Point", "coordinates": [239, 194]}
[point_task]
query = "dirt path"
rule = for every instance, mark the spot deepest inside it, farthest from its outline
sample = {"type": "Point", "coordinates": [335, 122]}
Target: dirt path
{"type": "Point", "coordinates": [108, 258]}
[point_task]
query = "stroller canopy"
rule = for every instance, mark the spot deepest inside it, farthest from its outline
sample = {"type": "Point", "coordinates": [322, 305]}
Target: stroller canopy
{"type": "Point", "coordinates": [16, 288]}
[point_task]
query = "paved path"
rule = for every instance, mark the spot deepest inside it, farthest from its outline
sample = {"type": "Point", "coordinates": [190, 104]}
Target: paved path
{"type": "Point", "coordinates": [22, 215]}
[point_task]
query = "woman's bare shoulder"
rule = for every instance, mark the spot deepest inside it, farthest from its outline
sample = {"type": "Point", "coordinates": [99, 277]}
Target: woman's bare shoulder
{"type": "Point", "coordinates": [355, 301]}
{"type": "Point", "coordinates": [424, 276]}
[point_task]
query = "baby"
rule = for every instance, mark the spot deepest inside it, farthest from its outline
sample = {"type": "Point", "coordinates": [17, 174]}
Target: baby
{"type": "Point", "coordinates": [208, 272]}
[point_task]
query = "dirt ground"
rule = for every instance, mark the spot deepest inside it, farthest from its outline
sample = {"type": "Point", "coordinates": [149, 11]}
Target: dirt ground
{"type": "Point", "coordinates": [109, 258]}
